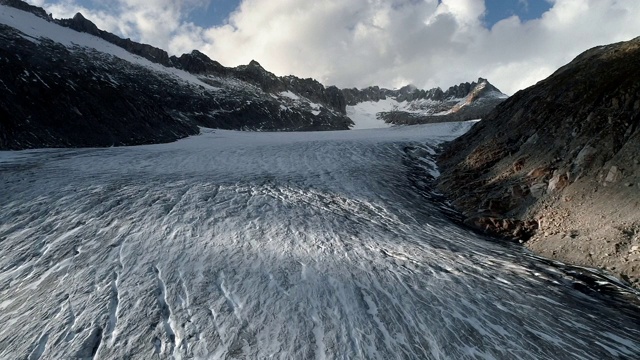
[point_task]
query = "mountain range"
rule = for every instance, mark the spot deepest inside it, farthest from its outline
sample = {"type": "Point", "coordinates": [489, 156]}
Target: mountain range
{"type": "Point", "coordinates": [66, 83]}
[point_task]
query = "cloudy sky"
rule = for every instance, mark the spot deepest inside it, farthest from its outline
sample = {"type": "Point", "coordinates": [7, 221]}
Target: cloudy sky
{"type": "Point", "coordinates": [358, 43]}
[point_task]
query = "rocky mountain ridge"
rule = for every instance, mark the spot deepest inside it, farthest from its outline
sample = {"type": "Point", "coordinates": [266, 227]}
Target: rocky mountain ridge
{"type": "Point", "coordinates": [411, 93]}
{"type": "Point", "coordinates": [410, 105]}
{"type": "Point", "coordinates": [197, 62]}
{"type": "Point", "coordinates": [65, 87]}
{"type": "Point", "coordinates": [558, 164]}
{"type": "Point", "coordinates": [484, 95]}
{"type": "Point", "coordinates": [75, 90]}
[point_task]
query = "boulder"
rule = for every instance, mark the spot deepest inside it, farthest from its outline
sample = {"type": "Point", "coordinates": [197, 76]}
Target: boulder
{"type": "Point", "coordinates": [538, 189]}
{"type": "Point", "coordinates": [558, 182]}
{"type": "Point", "coordinates": [614, 175]}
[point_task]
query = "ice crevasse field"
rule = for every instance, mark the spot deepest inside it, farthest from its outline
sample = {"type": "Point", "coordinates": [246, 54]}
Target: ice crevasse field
{"type": "Point", "coordinates": [277, 245]}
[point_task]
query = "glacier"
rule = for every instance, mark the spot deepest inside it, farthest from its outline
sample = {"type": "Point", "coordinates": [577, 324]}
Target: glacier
{"type": "Point", "coordinates": [277, 245]}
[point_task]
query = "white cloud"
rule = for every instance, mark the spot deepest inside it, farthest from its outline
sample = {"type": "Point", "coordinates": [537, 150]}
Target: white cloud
{"type": "Point", "coordinates": [375, 42]}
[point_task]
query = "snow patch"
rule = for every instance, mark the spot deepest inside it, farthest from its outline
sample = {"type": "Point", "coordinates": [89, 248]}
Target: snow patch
{"type": "Point", "coordinates": [290, 95]}
{"type": "Point", "coordinates": [34, 27]}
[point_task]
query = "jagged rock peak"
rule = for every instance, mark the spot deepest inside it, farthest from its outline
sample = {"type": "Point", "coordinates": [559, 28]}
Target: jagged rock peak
{"type": "Point", "coordinates": [82, 24]}
{"type": "Point", "coordinates": [463, 89]}
{"type": "Point", "coordinates": [198, 54]}
{"type": "Point", "coordinates": [408, 88]}
{"type": "Point", "coordinates": [255, 64]}
{"type": "Point", "coordinates": [411, 92]}
{"type": "Point", "coordinates": [198, 63]}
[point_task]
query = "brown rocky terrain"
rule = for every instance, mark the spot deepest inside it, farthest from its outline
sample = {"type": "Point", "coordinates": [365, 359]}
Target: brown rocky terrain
{"type": "Point", "coordinates": [556, 166]}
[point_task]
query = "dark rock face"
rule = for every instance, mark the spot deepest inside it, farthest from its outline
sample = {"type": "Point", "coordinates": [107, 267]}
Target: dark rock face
{"type": "Point", "coordinates": [354, 96]}
{"type": "Point", "coordinates": [314, 91]}
{"type": "Point", "coordinates": [199, 63]}
{"type": "Point", "coordinates": [461, 102]}
{"type": "Point", "coordinates": [81, 24]}
{"type": "Point", "coordinates": [55, 96]}
{"type": "Point", "coordinates": [563, 152]}
{"type": "Point", "coordinates": [256, 74]}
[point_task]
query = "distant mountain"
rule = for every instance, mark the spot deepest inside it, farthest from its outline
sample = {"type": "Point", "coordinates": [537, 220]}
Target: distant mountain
{"type": "Point", "coordinates": [61, 88]}
{"type": "Point", "coordinates": [410, 105]}
{"type": "Point", "coordinates": [66, 83]}
{"type": "Point", "coordinates": [562, 156]}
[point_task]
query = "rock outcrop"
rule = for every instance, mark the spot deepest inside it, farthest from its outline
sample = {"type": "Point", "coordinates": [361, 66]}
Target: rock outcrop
{"type": "Point", "coordinates": [81, 24]}
{"type": "Point", "coordinates": [199, 63]}
{"type": "Point", "coordinates": [563, 157]}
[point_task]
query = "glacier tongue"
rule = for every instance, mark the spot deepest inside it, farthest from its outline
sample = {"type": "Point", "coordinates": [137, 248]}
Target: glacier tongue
{"type": "Point", "coordinates": [256, 245]}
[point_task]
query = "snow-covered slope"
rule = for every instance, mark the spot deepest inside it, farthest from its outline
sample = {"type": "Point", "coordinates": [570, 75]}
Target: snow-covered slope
{"type": "Point", "coordinates": [365, 114]}
{"type": "Point", "coordinates": [374, 107]}
{"type": "Point", "coordinates": [244, 245]}
{"type": "Point", "coordinates": [61, 87]}
{"type": "Point", "coordinates": [36, 29]}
